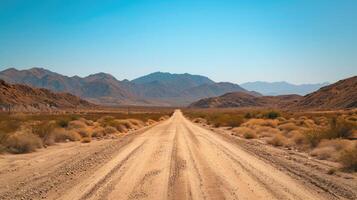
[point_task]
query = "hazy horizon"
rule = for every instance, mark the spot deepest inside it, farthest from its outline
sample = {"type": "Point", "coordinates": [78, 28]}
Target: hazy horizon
{"type": "Point", "coordinates": [82, 76]}
{"type": "Point", "coordinates": [237, 41]}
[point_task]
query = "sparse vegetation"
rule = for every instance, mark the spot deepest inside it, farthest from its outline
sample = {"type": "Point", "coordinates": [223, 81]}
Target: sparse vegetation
{"type": "Point", "coordinates": [23, 133]}
{"type": "Point", "coordinates": [324, 135]}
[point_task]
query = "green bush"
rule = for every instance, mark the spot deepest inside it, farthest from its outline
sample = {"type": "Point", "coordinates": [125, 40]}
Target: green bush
{"type": "Point", "coordinates": [248, 115]}
{"type": "Point", "coordinates": [272, 115]}
{"type": "Point", "coordinates": [63, 123]}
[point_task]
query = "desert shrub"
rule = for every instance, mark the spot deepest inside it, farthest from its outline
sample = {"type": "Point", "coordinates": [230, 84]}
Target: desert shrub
{"type": "Point", "coordinates": [248, 115]}
{"type": "Point", "coordinates": [77, 124]}
{"type": "Point", "coordinates": [120, 125]}
{"type": "Point", "coordinates": [87, 122]}
{"type": "Point", "coordinates": [329, 149]}
{"type": "Point", "coordinates": [11, 125]}
{"type": "Point", "coordinates": [135, 123]}
{"type": "Point", "coordinates": [222, 119]}
{"type": "Point", "coordinates": [309, 123]}
{"type": "Point", "coordinates": [288, 127]}
{"type": "Point", "coordinates": [348, 159]}
{"type": "Point", "coordinates": [323, 153]}
{"type": "Point", "coordinates": [298, 138]}
{"type": "Point", "coordinates": [341, 128]}
{"type": "Point", "coordinates": [266, 131]}
{"type": "Point", "coordinates": [43, 129]}
{"type": "Point", "coordinates": [321, 121]}
{"type": "Point", "coordinates": [314, 136]}
{"type": "Point", "coordinates": [249, 135]}
{"type": "Point", "coordinates": [85, 132]}
{"type": "Point", "coordinates": [272, 115]}
{"type": "Point", "coordinates": [23, 142]}
{"type": "Point", "coordinates": [261, 122]}
{"type": "Point", "coordinates": [109, 130]}
{"type": "Point", "coordinates": [278, 140]}
{"type": "Point", "coordinates": [241, 130]}
{"type": "Point", "coordinates": [86, 140]}
{"type": "Point", "coordinates": [337, 144]}
{"type": "Point", "coordinates": [62, 135]}
{"type": "Point", "coordinates": [98, 132]}
{"type": "Point", "coordinates": [63, 123]}
{"type": "Point", "coordinates": [105, 120]}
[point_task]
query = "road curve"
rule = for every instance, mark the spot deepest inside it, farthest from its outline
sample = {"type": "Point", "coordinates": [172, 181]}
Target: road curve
{"type": "Point", "coordinates": [180, 160]}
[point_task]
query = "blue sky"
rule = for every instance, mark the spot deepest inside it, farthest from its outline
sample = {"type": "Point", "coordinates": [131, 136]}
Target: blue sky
{"type": "Point", "coordinates": [299, 41]}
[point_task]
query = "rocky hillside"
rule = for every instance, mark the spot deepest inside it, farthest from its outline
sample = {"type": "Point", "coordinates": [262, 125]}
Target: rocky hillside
{"type": "Point", "coordinates": [239, 99]}
{"type": "Point", "coordinates": [340, 95]}
{"type": "Point", "coordinates": [154, 89]}
{"type": "Point", "coordinates": [99, 88]}
{"type": "Point", "coordinates": [19, 97]}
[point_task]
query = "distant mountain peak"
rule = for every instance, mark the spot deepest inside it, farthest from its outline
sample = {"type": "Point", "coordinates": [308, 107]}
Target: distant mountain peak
{"type": "Point", "coordinates": [101, 76]}
{"type": "Point", "coordinates": [281, 87]}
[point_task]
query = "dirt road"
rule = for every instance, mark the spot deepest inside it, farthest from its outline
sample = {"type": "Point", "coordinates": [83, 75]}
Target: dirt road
{"type": "Point", "coordinates": [175, 159]}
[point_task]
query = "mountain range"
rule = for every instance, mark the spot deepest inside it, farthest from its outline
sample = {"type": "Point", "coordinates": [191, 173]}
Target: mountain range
{"type": "Point", "coordinates": [161, 89]}
{"type": "Point", "coordinates": [281, 88]}
{"type": "Point", "coordinates": [340, 95]}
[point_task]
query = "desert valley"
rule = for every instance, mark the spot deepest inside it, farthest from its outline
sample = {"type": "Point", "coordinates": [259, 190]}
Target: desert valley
{"type": "Point", "coordinates": [178, 100]}
{"type": "Point", "coordinates": [96, 137]}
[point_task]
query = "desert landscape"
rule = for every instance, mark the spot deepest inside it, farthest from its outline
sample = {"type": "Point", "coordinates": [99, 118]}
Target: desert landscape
{"type": "Point", "coordinates": [239, 145]}
{"type": "Point", "coordinates": [178, 100]}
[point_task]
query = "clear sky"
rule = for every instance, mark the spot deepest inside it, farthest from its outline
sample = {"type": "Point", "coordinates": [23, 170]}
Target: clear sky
{"type": "Point", "coordinates": [301, 41]}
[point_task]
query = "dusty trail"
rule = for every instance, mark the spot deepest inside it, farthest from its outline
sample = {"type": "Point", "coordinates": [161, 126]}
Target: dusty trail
{"type": "Point", "coordinates": [173, 160]}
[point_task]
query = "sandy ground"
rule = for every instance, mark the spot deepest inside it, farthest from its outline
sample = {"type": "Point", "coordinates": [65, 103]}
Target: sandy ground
{"type": "Point", "coordinates": [175, 159]}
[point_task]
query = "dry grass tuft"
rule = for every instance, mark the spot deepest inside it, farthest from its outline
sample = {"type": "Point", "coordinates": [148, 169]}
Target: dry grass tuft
{"type": "Point", "coordinates": [266, 131]}
{"type": "Point", "coordinates": [109, 130]}
{"type": "Point", "coordinates": [348, 158]}
{"type": "Point", "coordinates": [290, 126]}
{"type": "Point", "coordinates": [298, 138]}
{"type": "Point", "coordinates": [98, 132]}
{"type": "Point", "coordinates": [245, 132]}
{"type": "Point", "coordinates": [63, 135]}
{"type": "Point", "coordinates": [77, 124]}
{"type": "Point", "coordinates": [23, 142]}
{"type": "Point", "coordinates": [261, 122]}
{"type": "Point", "coordinates": [278, 140]}
{"type": "Point", "coordinates": [249, 135]}
{"type": "Point", "coordinates": [324, 153]}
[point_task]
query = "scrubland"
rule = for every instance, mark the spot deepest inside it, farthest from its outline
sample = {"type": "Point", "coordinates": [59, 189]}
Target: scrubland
{"type": "Point", "coordinates": [328, 136]}
{"type": "Point", "coordinates": [23, 133]}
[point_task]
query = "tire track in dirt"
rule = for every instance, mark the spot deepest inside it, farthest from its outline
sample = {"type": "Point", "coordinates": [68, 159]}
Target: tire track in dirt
{"type": "Point", "coordinates": [149, 169]}
{"type": "Point", "coordinates": [280, 188]}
